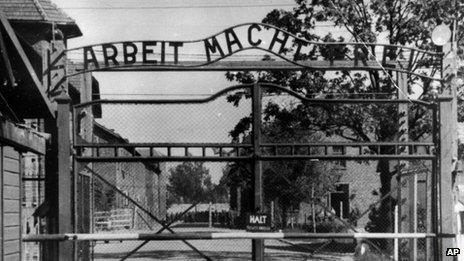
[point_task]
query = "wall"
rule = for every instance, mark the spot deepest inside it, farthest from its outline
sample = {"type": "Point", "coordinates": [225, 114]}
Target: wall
{"type": "Point", "coordinates": [138, 180]}
{"type": "Point", "coordinates": [10, 238]}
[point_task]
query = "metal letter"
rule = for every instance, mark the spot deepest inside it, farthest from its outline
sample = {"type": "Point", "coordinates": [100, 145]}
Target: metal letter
{"type": "Point", "coordinates": [163, 52]}
{"type": "Point", "coordinates": [111, 57]}
{"type": "Point", "coordinates": [176, 45]}
{"type": "Point", "coordinates": [93, 59]}
{"type": "Point", "coordinates": [230, 32]}
{"type": "Point", "coordinates": [130, 55]}
{"type": "Point", "coordinates": [250, 40]}
{"type": "Point", "coordinates": [212, 47]}
{"type": "Point", "coordinates": [276, 38]}
{"type": "Point", "coordinates": [146, 51]}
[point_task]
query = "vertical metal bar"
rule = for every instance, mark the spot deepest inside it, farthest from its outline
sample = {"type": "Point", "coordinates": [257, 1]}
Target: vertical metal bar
{"type": "Point", "coordinates": [50, 249]}
{"type": "Point", "coordinates": [75, 125]}
{"type": "Point", "coordinates": [396, 223]}
{"type": "Point", "coordinates": [257, 249]}
{"type": "Point", "coordinates": [434, 205]}
{"type": "Point", "coordinates": [75, 183]}
{"type": "Point", "coordinates": [414, 207]}
{"type": "Point", "coordinates": [2, 206]}
{"type": "Point", "coordinates": [65, 185]}
{"type": "Point", "coordinates": [74, 165]}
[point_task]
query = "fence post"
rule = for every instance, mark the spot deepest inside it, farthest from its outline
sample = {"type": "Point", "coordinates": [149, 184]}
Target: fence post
{"type": "Point", "coordinates": [210, 215]}
{"type": "Point", "coordinates": [257, 248]}
{"type": "Point", "coordinates": [65, 180]}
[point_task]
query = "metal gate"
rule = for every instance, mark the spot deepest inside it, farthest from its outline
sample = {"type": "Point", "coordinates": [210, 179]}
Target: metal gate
{"type": "Point", "coordinates": [324, 194]}
{"type": "Point", "coordinates": [162, 179]}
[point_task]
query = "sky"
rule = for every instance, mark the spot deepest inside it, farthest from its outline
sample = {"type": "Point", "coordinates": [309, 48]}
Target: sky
{"type": "Point", "coordinates": [166, 22]}
{"type": "Point", "coordinates": [118, 20]}
{"type": "Point", "coordinates": [128, 20]}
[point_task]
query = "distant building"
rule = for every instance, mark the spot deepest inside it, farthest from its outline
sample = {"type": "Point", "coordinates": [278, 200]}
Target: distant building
{"type": "Point", "coordinates": [141, 181]}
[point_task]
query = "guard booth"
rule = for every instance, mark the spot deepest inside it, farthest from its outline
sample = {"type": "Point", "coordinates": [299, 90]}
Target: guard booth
{"type": "Point", "coordinates": [108, 160]}
{"type": "Point", "coordinates": [23, 100]}
{"type": "Point", "coordinates": [15, 139]}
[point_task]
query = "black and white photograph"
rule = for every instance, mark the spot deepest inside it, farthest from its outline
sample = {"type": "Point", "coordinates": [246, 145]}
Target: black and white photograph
{"type": "Point", "coordinates": [278, 130]}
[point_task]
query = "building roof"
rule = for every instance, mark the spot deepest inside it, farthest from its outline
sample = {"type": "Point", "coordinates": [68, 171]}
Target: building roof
{"type": "Point", "coordinates": [34, 10]}
{"type": "Point", "coordinates": [39, 11]}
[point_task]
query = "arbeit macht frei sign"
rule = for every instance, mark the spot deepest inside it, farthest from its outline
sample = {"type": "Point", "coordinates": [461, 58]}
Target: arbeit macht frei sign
{"type": "Point", "coordinates": [253, 41]}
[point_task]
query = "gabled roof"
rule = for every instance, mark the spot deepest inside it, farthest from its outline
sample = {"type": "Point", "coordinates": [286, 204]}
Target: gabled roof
{"type": "Point", "coordinates": [34, 10]}
{"type": "Point", "coordinates": [44, 11]}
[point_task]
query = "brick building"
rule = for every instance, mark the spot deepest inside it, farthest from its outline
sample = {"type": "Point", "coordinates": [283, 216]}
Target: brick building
{"type": "Point", "coordinates": [141, 181]}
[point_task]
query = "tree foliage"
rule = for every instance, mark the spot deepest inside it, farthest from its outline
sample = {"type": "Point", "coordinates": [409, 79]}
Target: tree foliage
{"type": "Point", "coordinates": [402, 22]}
{"type": "Point", "coordinates": [190, 182]}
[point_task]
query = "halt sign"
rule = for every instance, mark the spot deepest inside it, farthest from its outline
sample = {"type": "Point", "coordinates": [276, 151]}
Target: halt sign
{"type": "Point", "coordinates": [258, 222]}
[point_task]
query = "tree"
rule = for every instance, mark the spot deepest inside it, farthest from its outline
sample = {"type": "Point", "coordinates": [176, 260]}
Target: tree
{"type": "Point", "coordinates": [190, 182]}
{"type": "Point", "coordinates": [287, 183]}
{"type": "Point", "coordinates": [290, 182]}
{"type": "Point", "coordinates": [220, 192]}
{"type": "Point", "coordinates": [403, 22]}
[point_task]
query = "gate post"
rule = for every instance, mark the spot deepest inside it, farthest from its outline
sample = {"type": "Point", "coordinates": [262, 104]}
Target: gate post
{"type": "Point", "coordinates": [65, 181]}
{"type": "Point", "coordinates": [447, 160]}
{"type": "Point", "coordinates": [448, 150]}
{"type": "Point", "coordinates": [257, 248]}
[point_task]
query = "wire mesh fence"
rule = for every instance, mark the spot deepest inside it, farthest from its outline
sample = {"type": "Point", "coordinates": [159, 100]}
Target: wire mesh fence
{"type": "Point", "coordinates": [117, 197]}
{"type": "Point", "coordinates": [123, 186]}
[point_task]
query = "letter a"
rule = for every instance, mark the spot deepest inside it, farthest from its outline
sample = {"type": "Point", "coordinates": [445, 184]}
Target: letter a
{"type": "Point", "coordinates": [93, 59]}
{"type": "Point", "coordinates": [235, 40]}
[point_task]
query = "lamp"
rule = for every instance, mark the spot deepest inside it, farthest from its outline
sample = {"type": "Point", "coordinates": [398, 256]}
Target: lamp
{"type": "Point", "coordinates": [441, 35]}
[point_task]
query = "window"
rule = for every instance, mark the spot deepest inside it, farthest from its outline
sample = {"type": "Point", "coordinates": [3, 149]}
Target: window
{"type": "Point", "coordinates": [340, 200]}
{"type": "Point", "coordinates": [339, 150]}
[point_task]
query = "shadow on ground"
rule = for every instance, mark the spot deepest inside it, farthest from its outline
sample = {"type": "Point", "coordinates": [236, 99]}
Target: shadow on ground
{"type": "Point", "coordinates": [326, 251]}
{"type": "Point", "coordinates": [321, 247]}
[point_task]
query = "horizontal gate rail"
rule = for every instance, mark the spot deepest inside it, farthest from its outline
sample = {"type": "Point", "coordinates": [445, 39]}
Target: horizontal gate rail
{"type": "Point", "coordinates": [269, 151]}
{"type": "Point", "coordinates": [223, 235]}
{"type": "Point", "coordinates": [213, 97]}
{"type": "Point", "coordinates": [263, 158]}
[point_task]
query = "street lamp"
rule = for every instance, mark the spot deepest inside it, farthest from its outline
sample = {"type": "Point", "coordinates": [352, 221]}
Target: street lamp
{"type": "Point", "coordinates": [441, 35]}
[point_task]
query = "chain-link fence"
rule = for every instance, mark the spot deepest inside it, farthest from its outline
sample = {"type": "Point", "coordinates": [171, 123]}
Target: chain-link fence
{"type": "Point", "coordinates": [173, 167]}
{"type": "Point", "coordinates": [350, 197]}
{"type": "Point", "coordinates": [119, 197]}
